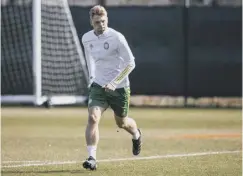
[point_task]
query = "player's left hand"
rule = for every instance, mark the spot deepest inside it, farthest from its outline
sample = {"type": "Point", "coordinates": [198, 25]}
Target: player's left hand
{"type": "Point", "coordinates": [109, 87]}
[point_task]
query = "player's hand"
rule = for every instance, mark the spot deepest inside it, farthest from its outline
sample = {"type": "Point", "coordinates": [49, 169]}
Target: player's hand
{"type": "Point", "coordinates": [109, 87]}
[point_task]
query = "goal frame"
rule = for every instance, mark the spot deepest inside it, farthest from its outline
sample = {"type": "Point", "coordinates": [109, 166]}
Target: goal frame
{"type": "Point", "coordinates": [37, 98]}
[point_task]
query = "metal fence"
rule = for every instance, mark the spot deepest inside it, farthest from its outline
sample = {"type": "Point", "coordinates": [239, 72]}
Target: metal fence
{"type": "Point", "coordinates": [140, 2]}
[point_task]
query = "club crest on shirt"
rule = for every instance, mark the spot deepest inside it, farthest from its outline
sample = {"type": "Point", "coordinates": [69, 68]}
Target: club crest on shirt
{"type": "Point", "coordinates": [106, 45]}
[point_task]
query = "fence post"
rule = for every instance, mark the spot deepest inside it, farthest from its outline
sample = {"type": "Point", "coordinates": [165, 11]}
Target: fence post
{"type": "Point", "coordinates": [186, 47]}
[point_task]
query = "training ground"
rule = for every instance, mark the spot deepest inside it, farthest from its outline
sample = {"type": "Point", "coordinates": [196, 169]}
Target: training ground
{"type": "Point", "coordinates": [176, 142]}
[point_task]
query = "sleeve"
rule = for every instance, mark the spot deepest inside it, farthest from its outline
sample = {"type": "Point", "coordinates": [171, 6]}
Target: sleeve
{"type": "Point", "coordinates": [90, 62]}
{"type": "Point", "coordinates": [129, 63]}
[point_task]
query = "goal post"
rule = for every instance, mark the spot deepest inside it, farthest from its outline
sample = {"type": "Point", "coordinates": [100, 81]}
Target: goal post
{"type": "Point", "coordinates": [36, 43]}
{"type": "Point", "coordinates": [42, 59]}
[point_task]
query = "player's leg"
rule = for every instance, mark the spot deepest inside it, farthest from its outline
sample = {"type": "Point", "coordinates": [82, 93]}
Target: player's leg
{"type": "Point", "coordinates": [129, 124]}
{"type": "Point", "coordinates": [119, 102]}
{"type": "Point", "coordinates": [92, 129]}
{"type": "Point", "coordinates": [96, 106]}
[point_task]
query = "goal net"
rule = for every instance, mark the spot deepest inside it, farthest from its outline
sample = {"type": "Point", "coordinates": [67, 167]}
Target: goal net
{"type": "Point", "coordinates": [42, 59]}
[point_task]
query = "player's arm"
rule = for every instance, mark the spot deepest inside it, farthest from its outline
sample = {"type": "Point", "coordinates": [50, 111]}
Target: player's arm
{"type": "Point", "coordinates": [90, 63]}
{"type": "Point", "coordinates": [129, 63]}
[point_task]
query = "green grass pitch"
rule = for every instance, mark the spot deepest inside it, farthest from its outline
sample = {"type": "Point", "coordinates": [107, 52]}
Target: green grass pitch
{"type": "Point", "coordinates": [176, 142]}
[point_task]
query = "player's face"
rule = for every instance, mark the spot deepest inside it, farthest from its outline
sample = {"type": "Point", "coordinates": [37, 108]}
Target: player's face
{"type": "Point", "coordinates": [99, 23]}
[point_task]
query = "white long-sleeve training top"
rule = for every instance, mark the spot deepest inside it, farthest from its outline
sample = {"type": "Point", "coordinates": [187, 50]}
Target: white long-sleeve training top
{"type": "Point", "coordinates": [109, 58]}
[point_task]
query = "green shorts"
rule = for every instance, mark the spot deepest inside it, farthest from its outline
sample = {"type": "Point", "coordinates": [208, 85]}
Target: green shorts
{"type": "Point", "coordinates": [118, 100]}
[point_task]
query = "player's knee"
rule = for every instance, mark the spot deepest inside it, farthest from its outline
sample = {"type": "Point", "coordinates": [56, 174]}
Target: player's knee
{"type": "Point", "coordinates": [93, 119]}
{"type": "Point", "coordinates": [95, 115]}
{"type": "Point", "coordinates": [121, 122]}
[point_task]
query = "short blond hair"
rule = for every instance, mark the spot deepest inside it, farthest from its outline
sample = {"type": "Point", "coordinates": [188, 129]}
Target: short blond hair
{"type": "Point", "coordinates": [97, 10]}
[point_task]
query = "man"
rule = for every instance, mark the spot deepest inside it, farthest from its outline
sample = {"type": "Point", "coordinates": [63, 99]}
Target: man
{"type": "Point", "coordinates": [109, 61]}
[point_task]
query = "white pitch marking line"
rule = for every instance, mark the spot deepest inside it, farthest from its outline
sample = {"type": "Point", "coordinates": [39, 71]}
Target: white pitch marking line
{"type": "Point", "coordinates": [46, 163]}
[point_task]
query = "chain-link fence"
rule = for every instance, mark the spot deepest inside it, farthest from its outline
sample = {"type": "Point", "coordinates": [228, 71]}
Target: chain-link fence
{"type": "Point", "coordinates": [142, 2]}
